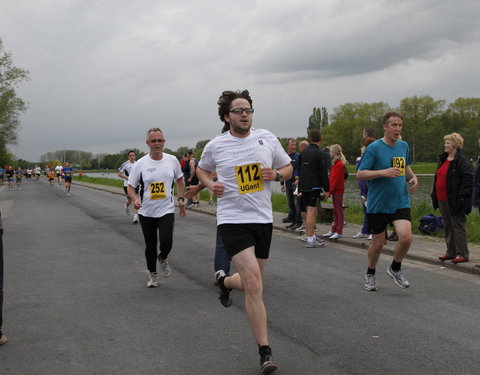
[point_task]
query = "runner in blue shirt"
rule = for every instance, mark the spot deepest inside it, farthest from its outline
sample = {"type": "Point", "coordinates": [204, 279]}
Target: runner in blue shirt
{"type": "Point", "coordinates": [67, 173]}
{"type": "Point", "coordinates": [386, 167]}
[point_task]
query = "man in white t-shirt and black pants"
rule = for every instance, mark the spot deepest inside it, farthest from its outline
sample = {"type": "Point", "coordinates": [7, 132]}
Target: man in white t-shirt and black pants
{"type": "Point", "coordinates": [156, 173]}
{"type": "Point", "coordinates": [246, 161]}
{"type": "Point", "coordinates": [124, 173]}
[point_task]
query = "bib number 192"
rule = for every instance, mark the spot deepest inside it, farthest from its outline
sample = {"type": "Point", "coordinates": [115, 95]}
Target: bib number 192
{"type": "Point", "coordinates": [400, 163]}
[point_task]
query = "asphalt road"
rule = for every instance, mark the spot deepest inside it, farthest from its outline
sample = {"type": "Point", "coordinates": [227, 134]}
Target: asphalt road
{"type": "Point", "coordinates": [76, 301]}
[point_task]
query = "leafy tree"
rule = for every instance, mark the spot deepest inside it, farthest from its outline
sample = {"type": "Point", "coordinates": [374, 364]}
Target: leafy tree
{"type": "Point", "coordinates": [324, 117]}
{"type": "Point", "coordinates": [11, 106]}
{"type": "Point", "coordinates": [422, 126]}
{"type": "Point", "coordinates": [315, 120]}
{"type": "Point", "coordinates": [347, 124]}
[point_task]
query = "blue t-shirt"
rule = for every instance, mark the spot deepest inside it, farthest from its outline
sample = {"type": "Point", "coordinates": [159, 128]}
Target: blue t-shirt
{"type": "Point", "coordinates": [68, 171]}
{"type": "Point", "coordinates": [386, 194]}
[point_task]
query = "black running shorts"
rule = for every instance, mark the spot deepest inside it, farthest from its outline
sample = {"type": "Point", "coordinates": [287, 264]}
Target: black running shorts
{"type": "Point", "coordinates": [238, 237]}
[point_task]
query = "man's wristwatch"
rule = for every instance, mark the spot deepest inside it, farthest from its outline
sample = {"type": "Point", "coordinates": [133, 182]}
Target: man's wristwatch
{"type": "Point", "coordinates": [279, 176]}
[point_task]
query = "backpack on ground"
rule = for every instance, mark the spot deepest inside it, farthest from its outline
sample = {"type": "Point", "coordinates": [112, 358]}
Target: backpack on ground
{"type": "Point", "coordinates": [430, 224]}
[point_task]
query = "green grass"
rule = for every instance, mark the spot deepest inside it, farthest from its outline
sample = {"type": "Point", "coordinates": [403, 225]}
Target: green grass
{"type": "Point", "coordinates": [353, 214]}
{"type": "Point", "coordinates": [100, 181]}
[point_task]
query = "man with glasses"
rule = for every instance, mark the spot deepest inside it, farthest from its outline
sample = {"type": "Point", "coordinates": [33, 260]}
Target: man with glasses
{"type": "Point", "coordinates": [156, 173]}
{"type": "Point", "coordinates": [246, 161]}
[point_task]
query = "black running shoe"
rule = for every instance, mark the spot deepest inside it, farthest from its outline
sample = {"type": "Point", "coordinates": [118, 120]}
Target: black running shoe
{"type": "Point", "coordinates": [267, 364]}
{"type": "Point", "coordinates": [224, 294]}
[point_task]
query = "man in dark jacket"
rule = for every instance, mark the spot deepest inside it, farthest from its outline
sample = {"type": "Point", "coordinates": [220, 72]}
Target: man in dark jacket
{"type": "Point", "coordinates": [312, 183]}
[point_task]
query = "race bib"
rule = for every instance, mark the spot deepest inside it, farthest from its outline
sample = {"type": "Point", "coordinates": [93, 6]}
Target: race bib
{"type": "Point", "coordinates": [157, 190]}
{"type": "Point", "coordinates": [249, 178]}
{"type": "Point", "coordinates": [400, 163]}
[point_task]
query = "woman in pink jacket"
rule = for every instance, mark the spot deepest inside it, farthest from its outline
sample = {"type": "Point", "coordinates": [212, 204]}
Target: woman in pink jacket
{"type": "Point", "coordinates": [337, 188]}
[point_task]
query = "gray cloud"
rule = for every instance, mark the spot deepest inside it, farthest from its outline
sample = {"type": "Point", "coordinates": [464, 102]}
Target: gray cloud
{"type": "Point", "coordinates": [105, 71]}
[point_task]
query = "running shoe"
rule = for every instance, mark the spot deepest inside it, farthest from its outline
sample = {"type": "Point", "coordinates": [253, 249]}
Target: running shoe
{"type": "Point", "coordinates": [135, 219]}
{"type": "Point", "coordinates": [369, 237]}
{"type": "Point", "coordinates": [301, 228]}
{"type": "Point", "coordinates": [303, 238]}
{"type": "Point", "coordinates": [290, 226]}
{"type": "Point", "coordinates": [398, 277]}
{"type": "Point", "coordinates": [315, 243]}
{"type": "Point", "coordinates": [328, 234]}
{"type": "Point", "coordinates": [334, 236]}
{"type": "Point", "coordinates": [153, 282]}
{"type": "Point", "coordinates": [360, 235]}
{"type": "Point", "coordinates": [165, 268]}
{"type": "Point", "coordinates": [224, 294]}
{"type": "Point", "coordinates": [267, 364]}
{"type": "Point", "coordinates": [370, 282]}
{"type": "Point", "coordinates": [127, 210]}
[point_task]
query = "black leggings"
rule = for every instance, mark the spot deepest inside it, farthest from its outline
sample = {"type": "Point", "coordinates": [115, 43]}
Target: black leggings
{"type": "Point", "coordinates": [150, 226]}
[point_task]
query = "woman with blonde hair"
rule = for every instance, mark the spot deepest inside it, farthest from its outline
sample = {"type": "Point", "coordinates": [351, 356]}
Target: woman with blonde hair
{"type": "Point", "coordinates": [337, 188]}
{"type": "Point", "coordinates": [452, 193]}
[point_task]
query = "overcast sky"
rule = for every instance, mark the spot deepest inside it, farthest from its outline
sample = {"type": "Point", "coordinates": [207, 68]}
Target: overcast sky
{"type": "Point", "coordinates": [103, 72]}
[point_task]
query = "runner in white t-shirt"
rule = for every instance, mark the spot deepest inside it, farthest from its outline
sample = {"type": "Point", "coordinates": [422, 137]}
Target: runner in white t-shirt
{"type": "Point", "coordinates": [156, 174]}
{"type": "Point", "coordinates": [124, 173]}
{"type": "Point", "coordinates": [246, 161]}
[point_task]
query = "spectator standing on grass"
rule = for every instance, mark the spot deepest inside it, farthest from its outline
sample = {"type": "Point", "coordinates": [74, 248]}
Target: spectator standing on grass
{"type": "Point", "coordinates": [337, 189]}
{"type": "Point", "coordinates": [288, 187]}
{"type": "Point", "coordinates": [476, 186]}
{"type": "Point", "coordinates": [452, 193]}
{"type": "Point", "coordinates": [363, 186]}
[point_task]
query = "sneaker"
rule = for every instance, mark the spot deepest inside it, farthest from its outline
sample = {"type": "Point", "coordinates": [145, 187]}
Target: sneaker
{"type": "Point", "coordinates": [301, 228]}
{"type": "Point", "coordinates": [328, 234]}
{"type": "Point", "coordinates": [370, 282]}
{"type": "Point", "coordinates": [295, 226]}
{"type": "Point", "coordinates": [224, 294]}
{"type": "Point", "coordinates": [315, 243]}
{"type": "Point", "coordinates": [303, 238]}
{"type": "Point", "coordinates": [153, 282]}
{"type": "Point", "coordinates": [190, 205]}
{"type": "Point", "coordinates": [267, 364]}
{"type": "Point", "coordinates": [370, 237]}
{"type": "Point", "coordinates": [398, 277]}
{"type": "Point", "coordinates": [210, 202]}
{"type": "Point", "coordinates": [165, 268]}
{"type": "Point", "coordinates": [3, 340]}
{"type": "Point", "coordinates": [127, 210]}
{"type": "Point", "coordinates": [360, 235]}
{"type": "Point", "coordinates": [290, 226]}
{"type": "Point", "coordinates": [135, 219]}
{"type": "Point", "coordinates": [334, 236]}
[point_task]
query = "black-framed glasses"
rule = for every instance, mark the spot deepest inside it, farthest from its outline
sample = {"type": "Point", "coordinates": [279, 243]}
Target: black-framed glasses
{"type": "Point", "coordinates": [239, 111]}
{"type": "Point", "coordinates": [157, 140]}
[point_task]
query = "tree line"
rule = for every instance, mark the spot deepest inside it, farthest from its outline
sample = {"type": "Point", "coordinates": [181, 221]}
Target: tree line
{"type": "Point", "coordinates": [426, 121]}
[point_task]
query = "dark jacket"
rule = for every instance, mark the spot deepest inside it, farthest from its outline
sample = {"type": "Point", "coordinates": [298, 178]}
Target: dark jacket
{"type": "Point", "coordinates": [459, 184]}
{"type": "Point", "coordinates": [313, 169]}
{"type": "Point", "coordinates": [476, 186]}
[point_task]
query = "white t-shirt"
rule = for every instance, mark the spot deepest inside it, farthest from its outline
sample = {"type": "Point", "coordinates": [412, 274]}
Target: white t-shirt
{"type": "Point", "coordinates": [156, 179]}
{"type": "Point", "coordinates": [125, 168]}
{"type": "Point", "coordinates": [238, 163]}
